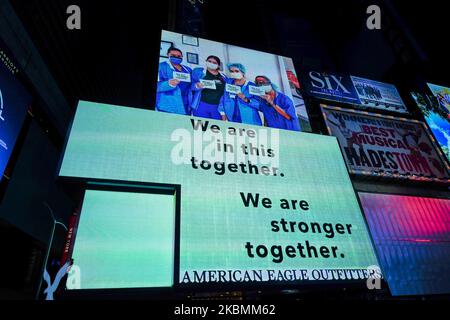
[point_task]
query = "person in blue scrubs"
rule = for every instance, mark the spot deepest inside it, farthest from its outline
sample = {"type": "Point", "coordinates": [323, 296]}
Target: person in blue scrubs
{"type": "Point", "coordinates": [278, 109]}
{"type": "Point", "coordinates": [205, 101]}
{"type": "Point", "coordinates": [242, 107]}
{"type": "Point", "coordinates": [172, 94]}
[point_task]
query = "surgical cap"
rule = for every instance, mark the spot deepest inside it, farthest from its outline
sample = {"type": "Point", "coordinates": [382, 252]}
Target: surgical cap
{"type": "Point", "coordinates": [239, 66]}
{"type": "Point", "coordinates": [274, 86]}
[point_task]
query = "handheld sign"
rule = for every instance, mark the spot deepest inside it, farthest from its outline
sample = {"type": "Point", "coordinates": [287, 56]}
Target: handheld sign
{"type": "Point", "coordinates": [182, 76]}
{"type": "Point", "coordinates": [208, 84]}
{"type": "Point", "coordinates": [231, 88]}
{"type": "Point", "coordinates": [256, 91]}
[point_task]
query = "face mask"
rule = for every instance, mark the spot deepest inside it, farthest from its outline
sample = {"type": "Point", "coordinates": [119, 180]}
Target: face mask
{"type": "Point", "coordinates": [267, 88]}
{"type": "Point", "coordinates": [176, 60]}
{"type": "Point", "coordinates": [212, 66]}
{"type": "Point", "coordinates": [236, 75]}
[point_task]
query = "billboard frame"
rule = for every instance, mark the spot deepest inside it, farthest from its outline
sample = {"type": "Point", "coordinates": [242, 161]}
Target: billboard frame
{"type": "Point", "coordinates": [178, 288]}
{"type": "Point", "coordinates": [399, 177]}
{"type": "Point", "coordinates": [132, 187]}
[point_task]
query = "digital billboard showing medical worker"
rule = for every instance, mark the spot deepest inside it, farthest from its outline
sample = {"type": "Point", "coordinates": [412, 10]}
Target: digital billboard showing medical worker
{"type": "Point", "coordinates": [213, 80]}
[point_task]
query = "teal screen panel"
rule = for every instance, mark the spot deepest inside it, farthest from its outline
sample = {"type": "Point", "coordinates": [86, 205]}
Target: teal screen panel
{"type": "Point", "coordinates": [216, 227]}
{"type": "Point", "coordinates": [124, 240]}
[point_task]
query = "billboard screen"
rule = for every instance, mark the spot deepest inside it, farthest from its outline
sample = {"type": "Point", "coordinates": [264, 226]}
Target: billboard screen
{"type": "Point", "coordinates": [378, 95]}
{"type": "Point", "coordinates": [438, 119]}
{"type": "Point", "coordinates": [382, 146]}
{"type": "Point", "coordinates": [218, 81]}
{"type": "Point", "coordinates": [443, 96]}
{"type": "Point", "coordinates": [330, 86]}
{"type": "Point", "coordinates": [412, 238]}
{"type": "Point", "coordinates": [14, 101]}
{"type": "Point", "coordinates": [252, 207]}
{"type": "Point", "coordinates": [353, 90]}
{"type": "Point", "coordinates": [124, 240]}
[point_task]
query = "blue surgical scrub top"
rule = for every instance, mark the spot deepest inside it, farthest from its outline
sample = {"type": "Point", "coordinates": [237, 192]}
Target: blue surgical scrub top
{"type": "Point", "coordinates": [276, 120]}
{"type": "Point", "coordinates": [238, 110]}
{"type": "Point", "coordinates": [172, 99]}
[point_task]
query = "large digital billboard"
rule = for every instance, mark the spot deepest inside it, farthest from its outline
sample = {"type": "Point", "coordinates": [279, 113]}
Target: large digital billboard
{"type": "Point", "coordinates": [257, 204]}
{"type": "Point", "coordinates": [438, 119]}
{"type": "Point", "coordinates": [412, 238]}
{"type": "Point", "coordinates": [14, 101]}
{"type": "Point", "coordinates": [382, 146]}
{"type": "Point", "coordinates": [124, 240]}
{"type": "Point", "coordinates": [218, 81]}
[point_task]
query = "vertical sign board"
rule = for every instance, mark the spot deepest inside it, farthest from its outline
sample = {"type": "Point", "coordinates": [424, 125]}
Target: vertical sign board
{"type": "Point", "coordinates": [412, 237]}
{"type": "Point", "coordinates": [384, 146]}
{"type": "Point", "coordinates": [257, 205]}
{"type": "Point", "coordinates": [14, 101]}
